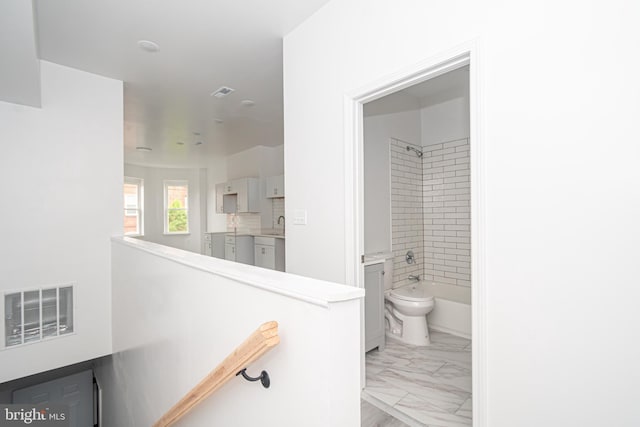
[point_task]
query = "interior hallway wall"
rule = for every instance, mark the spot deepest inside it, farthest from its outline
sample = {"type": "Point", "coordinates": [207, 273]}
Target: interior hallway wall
{"type": "Point", "coordinates": [558, 103]}
{"type": "Point", "coordinates": [61, 203]}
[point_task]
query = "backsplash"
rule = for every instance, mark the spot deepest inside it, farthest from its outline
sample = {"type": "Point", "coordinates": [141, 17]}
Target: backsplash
{"type": "Point", "coordinates": [278, 210]}
{"type": "Point", "coordinates": [244, 223]}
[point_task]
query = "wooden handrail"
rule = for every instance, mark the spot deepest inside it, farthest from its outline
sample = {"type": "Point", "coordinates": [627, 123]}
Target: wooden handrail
{"type": "Point", "coordinates": [262, 340]}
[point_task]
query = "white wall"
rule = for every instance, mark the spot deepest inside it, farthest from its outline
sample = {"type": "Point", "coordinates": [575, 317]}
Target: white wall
{"type": "Point", "coordinates": [154, 205]}
{"type": "Point", "coordinates": [378, 130]}
{"type": "Point", "coordinates": [558, 113]}
{"type": "Point", "coordinates": [446, 121]}
{"type": "Point", "coordinates": [62, 200]}
{"type": "Point", "coordinates": [168, 333]}
{"type": "Point", "coordinates": [258, 161]}
{"type": "Point", "coordinates": [20, 71]}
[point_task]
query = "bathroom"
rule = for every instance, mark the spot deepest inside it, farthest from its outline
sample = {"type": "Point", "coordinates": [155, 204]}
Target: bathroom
{"type": "Point", "coordinates": [417, 238]}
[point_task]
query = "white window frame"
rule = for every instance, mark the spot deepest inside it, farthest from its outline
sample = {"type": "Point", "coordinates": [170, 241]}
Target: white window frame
{"type": "Point", "coordinates": [140, 183]}
{"type": "Point", "coordinates": [166, 185]}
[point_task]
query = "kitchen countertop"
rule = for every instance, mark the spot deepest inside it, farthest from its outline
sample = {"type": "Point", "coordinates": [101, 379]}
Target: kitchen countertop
{"type": "Point", "coordinates": [261, 233]}
{"type": "Point", "coordinates": [277, 236]}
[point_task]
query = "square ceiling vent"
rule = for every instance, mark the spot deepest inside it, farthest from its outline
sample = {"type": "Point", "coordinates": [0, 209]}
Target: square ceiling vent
{"type": "Point", "coordinates": [222, 92]}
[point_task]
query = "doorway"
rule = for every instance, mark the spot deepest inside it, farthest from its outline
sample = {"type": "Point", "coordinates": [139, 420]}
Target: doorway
{"type": "Point", "coordinates": [354, 123]}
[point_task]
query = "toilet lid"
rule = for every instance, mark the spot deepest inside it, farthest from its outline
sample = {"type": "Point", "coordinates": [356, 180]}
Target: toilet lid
{"type": "Point", "coordinates": [412, 293]}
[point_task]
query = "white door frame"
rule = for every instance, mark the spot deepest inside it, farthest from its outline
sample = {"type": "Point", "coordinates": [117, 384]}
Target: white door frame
{"type": "Point", "coordinates": [466, 54]}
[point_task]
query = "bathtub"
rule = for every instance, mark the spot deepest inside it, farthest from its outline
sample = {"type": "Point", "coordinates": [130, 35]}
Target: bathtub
{"type": "Point", "coordinates": [452, 310]}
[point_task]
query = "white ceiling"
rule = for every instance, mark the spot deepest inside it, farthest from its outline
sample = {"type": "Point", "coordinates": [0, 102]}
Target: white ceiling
{"type": "Point", "coordinates": [204, 44]}
{"type": "Point", "coordinates": [20, 69]}
{"type": "Point", "coordinates": [445, 87]}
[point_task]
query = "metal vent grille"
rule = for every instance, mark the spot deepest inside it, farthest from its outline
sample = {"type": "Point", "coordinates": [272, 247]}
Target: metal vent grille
{"type": "Point", "coordinates": [222, 92]}
{"type": "Point", "coordinates": [38, 314]}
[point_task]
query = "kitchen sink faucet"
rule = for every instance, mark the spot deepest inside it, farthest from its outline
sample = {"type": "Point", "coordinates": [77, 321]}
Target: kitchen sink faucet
{"type": "Point", "coordinates": [283, 222]}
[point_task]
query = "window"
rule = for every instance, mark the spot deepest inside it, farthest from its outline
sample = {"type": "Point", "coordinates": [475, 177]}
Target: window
{"type": "Point", "coordinates": [176, 202]}
{"type": "Point", "coordinates": [31, 316]}
{"type": "Point", "coordinates": [133, 202]}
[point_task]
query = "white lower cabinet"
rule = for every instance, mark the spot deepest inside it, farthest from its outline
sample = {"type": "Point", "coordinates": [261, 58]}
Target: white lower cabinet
{"type": "Point", "coordinates": [206, 244]}
{"type": "Point", "coordinates": [269, 253]}
{"type": "Point", "coordinates": [239, 249]}
{"type": "Point", "coordinates": [374, 307]}
{"type": "Point", "coordinates": [213, 244]}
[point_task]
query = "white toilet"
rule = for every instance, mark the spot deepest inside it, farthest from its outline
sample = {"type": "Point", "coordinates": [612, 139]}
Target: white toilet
{"type": "Point", "coordinates": [409, 305]}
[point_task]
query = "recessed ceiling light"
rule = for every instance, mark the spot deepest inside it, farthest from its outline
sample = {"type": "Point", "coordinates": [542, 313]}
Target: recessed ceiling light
{"type": "Point", "coordinates": [143, 148]}
{"type": "Point", "coordinates": [148, 46]}
{"type": "Point", "coordinates": [198, 142]}
{"type": "Point", "coordinates": [222, 92]}
{"type": "Point", "coordinates": [180, 143]}
{"type": "Point", "coordinates": [247, 103]}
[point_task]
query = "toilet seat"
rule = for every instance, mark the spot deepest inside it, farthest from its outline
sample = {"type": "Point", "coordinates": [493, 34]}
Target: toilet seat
{"type": "Point", "coordinates": [408, 308]}
{"type": "Point", "coordinates": [412, 293]}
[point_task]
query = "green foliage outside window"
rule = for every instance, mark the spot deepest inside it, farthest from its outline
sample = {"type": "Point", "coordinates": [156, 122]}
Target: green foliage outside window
{"type": "Point", "coordinates": [177, 218]}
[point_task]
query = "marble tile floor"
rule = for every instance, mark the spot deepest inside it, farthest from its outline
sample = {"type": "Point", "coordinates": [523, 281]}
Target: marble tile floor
{"type": "Point", "coordinates": [421, 386]}
{"type": "Point", "coordinates": [371, 416]}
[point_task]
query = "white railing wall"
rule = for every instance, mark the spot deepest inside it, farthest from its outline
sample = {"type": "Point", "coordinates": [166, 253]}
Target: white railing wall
{"type": "Point", "coordinates": [176, 315]}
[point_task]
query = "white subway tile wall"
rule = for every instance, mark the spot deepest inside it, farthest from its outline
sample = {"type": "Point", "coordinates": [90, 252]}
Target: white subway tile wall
{"type": "Point", "coordinates": [431, 212]}
{"type": "Point", "coordinates": [447, 213]}
{"type": "Point", "coordinates": [244, 222]}
{"type": "Point", "coordinates": [406, 211]}
{"type": "Point", "coordinates": [278, 210]}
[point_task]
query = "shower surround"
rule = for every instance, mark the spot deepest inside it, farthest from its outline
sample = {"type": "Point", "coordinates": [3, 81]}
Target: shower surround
{"type": "Point", "coordinates": [430, 212]}
{"type": "Point", "coordinates": [406, 211]}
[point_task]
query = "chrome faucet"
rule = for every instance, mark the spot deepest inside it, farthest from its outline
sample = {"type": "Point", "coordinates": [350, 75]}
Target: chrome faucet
{"type": "Point", "coordinates": [283, 223]}
{"type": "Point", "coordinates": [413, 278]}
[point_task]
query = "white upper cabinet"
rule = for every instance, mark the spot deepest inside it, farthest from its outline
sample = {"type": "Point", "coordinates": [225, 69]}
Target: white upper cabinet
{"type": "Point", "coordinates": [220, 197]}
{"type": "Point", "coordinates": [238, 196]}
{"type": "Point", "coordinates": [229, 187]}
{"type": "Point", "coordinates": [248, 190]}
{"type": "Point", "coordinates": [275, 186]}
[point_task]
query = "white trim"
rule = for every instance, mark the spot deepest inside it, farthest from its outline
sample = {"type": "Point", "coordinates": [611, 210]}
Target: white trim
{"type": "Point", "coordinates": [139, 182]}
{"type": "Point", "coordinates": [178, 183]}
{"type": "Point", "coordinates": [466, 54]}
{"type": "Point", "coordinates": [479, 235]}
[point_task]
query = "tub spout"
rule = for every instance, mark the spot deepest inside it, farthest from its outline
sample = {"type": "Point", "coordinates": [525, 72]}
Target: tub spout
{"type": "Point", "coordinates": [413, 278]}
